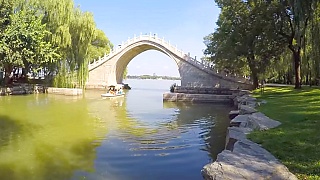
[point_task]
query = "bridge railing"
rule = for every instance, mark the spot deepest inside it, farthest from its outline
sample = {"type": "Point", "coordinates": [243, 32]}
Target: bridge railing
{"type": "Point", "coordinates": [123, 45]}
{"type": "Point", "coordinates": [204, 65]}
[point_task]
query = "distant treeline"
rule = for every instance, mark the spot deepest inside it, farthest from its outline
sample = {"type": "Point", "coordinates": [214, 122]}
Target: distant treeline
{"type": "Point", "coordinates": [153, 77]}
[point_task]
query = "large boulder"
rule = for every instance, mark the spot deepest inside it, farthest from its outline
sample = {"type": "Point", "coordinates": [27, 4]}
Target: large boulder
{"type": "Point", "coordinates": [244, 109]}
{"type": "Point", "coordinates": [247, 161]}
{"type": "Point", "coordinates": [240, 120]}
{"type": "Point", "coordinates": [238, 133]}
{"type": "Point", "coordinates": [259, 121]}
{"type": "Point", "coordinates": [242, 158]}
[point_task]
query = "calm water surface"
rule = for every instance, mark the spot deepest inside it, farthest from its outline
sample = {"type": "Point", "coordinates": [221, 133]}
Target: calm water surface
{"type": "Point", "coordinates": [134, 137]}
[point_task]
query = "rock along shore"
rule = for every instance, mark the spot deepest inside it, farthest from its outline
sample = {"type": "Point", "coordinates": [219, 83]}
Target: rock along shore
{"type": "Point", "coordinates": [242, 158]}
{"type": "Point", "coordinates": [23, 89]}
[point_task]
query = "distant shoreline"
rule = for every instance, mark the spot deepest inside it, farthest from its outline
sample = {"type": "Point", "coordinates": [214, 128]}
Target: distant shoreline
{"type": "Point", "coordinates": [153, 77]}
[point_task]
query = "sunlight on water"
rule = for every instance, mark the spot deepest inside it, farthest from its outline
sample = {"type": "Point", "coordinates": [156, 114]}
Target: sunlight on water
{"type": "Point", "coordinates": [132, 137]}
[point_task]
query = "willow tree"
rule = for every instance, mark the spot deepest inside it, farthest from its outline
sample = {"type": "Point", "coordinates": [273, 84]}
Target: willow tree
{"type": "Point", "coordinates": [72, 31]}
{"type": "Point", "coordinates": [82, 30]}
{"type": "Point", "coordinates": [57, 16]}
{"type": "Point", "coordinates": [314, 40]}
{"type": "Point", "coordinates": [99, 46]}
{"type": "Point", "coordinates": [293, 18]}
{"type": "Point", "coordinates": [65, 28]}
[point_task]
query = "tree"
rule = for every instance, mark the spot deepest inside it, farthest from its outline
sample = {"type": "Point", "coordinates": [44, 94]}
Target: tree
{"type": "Point", "coordinates": [314, 40]}
{"type": "Point", "coordinates": [99, 46]}
{"type": "Point", "coordinates": [22, 42]}
{"type": "Point", "coordinates": [6, 9]}
{"type": "Point", "coordinates": [82, 29]}
{"type": "Point", "coordinates": [245, 37]}
{"type": "Point", "coordinates": [57, 16]}
{"type": "Point", "coordinates": [72, 31]}
{"type": "Point", "coordinates": [67, 42]}
{"type": "Point", "coordinates": [293, 17]}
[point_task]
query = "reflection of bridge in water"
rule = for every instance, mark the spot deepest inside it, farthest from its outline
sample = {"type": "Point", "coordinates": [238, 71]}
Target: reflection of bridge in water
{"type": "Point", "coordinates": [164, 136]}
{"type": "Point", "coordinates": [109, 69]}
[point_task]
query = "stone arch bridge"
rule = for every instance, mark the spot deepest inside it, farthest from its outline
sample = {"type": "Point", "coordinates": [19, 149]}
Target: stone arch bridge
{"type": "Point", "coordinates": [109, 70]}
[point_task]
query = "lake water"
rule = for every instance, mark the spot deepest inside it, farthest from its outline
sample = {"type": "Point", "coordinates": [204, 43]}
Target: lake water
{"type": "Point", "coordinates": [133, 137]}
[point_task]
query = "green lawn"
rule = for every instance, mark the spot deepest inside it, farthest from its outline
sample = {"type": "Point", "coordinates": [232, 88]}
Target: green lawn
{"type": "Point", "coordinates": [297, 141]}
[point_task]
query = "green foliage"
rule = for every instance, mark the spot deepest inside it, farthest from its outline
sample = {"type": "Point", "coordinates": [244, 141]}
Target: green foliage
{"type": "Point", "coordinates": [293, 16]}
{"type": "Point", "coordinates": [22, 42]}
{"type": "Point", "coordinates": [245, 37]}
{"type": "Point", "coordinates": [82, 28]}
{"type": "Point", "coordinates": [6, 9]}
{"type": "Point", "coordinates": [277, 40]}
{"type": "Point", "coordinates": [296, 141]}
{"type": "Point", "coordinates": [99, 46]}
{"type": "Point", "coordinates": [52, 35]}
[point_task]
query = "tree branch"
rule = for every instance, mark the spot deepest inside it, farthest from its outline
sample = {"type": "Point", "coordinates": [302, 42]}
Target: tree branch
{"type": "Point", "coordinates": [290, 23]}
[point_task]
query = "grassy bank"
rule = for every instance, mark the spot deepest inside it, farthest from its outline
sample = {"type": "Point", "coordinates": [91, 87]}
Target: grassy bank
{"type": "Point", "coordinates": [297, 141]}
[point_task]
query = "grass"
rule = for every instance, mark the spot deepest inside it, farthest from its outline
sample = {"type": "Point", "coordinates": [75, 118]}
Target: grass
{"type": "Point", "coordinates": [296, 143]}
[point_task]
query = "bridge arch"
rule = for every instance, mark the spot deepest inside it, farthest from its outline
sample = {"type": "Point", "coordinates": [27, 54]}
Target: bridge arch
{"type": "Point", "coordinates": [108, 70]}
{"type": "Point", "coordinates": [134, 50]}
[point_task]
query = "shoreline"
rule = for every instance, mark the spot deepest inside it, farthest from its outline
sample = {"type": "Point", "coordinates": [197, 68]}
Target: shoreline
{"type": "Point", "coordinates": [242, 158]}
{"type": "Point", "coordinates": [25, 89]}
{"type": "Point", "coordinates": [22, 89]}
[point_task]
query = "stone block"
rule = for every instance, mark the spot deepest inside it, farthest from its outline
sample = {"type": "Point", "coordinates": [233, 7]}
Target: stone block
{"type": "Point", "coordinates": [65, 91]}
{"type": "Point", "coordinates": [244, 109]}
{"type": "Point", "coordinates": [233, 114]}
{"type": "Point", "coordinates": [240, 120]}
{"type": "Point", "coordinates": [247, 161]}
{"type": "Point", "coordinates": [259, 121]}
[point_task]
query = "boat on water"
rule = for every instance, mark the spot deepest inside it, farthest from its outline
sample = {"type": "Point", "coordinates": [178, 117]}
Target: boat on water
{"type": "Point", "coordinates": [114, 92]}
{"type": "Point", "coordinates": [108, 94]}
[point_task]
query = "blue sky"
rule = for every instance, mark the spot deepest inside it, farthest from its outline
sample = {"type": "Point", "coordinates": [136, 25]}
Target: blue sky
{"type": "Point", "coordinates": [183, 22]}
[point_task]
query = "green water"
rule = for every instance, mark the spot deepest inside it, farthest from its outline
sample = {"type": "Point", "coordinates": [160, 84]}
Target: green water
{"type": "Point", "coordinates": [135, 137]}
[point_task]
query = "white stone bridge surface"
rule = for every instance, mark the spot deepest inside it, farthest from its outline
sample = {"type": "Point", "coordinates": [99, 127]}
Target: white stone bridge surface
{"type": "Point", "coordinates": [109, 69]}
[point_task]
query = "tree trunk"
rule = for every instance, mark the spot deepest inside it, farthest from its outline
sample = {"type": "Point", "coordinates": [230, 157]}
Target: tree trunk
{"type": "Point", "coordinates": [297, 64]}
{"type": "Point", "coordinates": [8, 69]}
{"type": "Point", "coordinates": [254, 71]}
{"type": "Point", "coordinates": [255, 79]}
{"type": "Point", "coordinates": [310, 78]}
